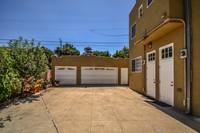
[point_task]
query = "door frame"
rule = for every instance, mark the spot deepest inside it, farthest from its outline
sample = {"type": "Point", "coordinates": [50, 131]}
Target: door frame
{"type": "Point", "coordinates": [153, 51]}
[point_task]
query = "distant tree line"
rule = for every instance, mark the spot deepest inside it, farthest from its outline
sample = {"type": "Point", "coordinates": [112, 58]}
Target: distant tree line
{"type": "Point", "coordinates": [69, 49]}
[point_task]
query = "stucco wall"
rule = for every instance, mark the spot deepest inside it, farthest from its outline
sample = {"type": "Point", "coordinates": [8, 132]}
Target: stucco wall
{"type": "Point", "coordinates": [88, 61]}
{"type": "Point", "coordinates": [153, 15]}
{"type": "Point", "coordinates": [137, 81]}
{"type": "Point", "coordinates": [195, 57]}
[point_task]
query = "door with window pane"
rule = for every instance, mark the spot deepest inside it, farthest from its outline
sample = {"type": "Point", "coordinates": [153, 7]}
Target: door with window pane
{"type": "Point", "coordinates": [166, 70]}
{"type": "Point", "coordinates": [151, 72]}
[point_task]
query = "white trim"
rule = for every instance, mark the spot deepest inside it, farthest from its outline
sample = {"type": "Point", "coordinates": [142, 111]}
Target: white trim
{"type": "Point", "coordinates": [160, 60]}
{"type": "Point", "coordinates": [147, 56]}
{"type": "Point", "coordinates": [132, 65]}
{"type": "Point", "coordinates": [147, 61]}
{"type": "Point", "coordinates": [141, 7]}
{"type": "Point", "coordinates": [166, 46]}
{"type": "Point", "coordinates": [149, 4]}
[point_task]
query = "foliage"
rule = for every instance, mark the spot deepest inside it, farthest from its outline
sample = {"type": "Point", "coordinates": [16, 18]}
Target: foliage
{"type": "Point", "coordinates": [48, 54]}
{"type": "Point", "coordinates": [67, 49]}
{"type": "Point", "coordinates": [9, 78]}
{"type": "Point", "coordinates": [123, 53]}
{"type": "Point", "coordinates": [30, 59]}
{"type": "Point", "coordinates": [87, 50]}
{"type": "Point", "coordinates": [102, 53]}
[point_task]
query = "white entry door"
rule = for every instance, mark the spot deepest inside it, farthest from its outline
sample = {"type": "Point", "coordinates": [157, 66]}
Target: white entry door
{"type": "Point", "coordinates": [166, 70]}
{"type": "Point", "coordinates": [99, 75]}
{"type": "Point", "coordinates": [124, 76]}
{"type": "Point", "coordinates": [150, 77]}
{"type": "Point", "coordinates": [66, 75]}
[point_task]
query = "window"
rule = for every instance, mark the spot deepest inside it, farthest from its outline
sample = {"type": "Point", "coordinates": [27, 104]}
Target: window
{"type": "Point", "coordinates": [137, 64]}
{"type": "Point", "coordinates": [166, 53]}
{"type": "Point", "coordinates": [140, 11]}
{"type": "Point", "coordinates": [151, 57]}
{"type": "Point", "coordinates": [133, 29]}
{"type": "Point", "coordinates": [149, 2]}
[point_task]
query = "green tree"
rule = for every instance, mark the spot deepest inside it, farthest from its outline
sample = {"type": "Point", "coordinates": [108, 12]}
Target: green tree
{"type": "Point", "coordinates": [123, 53]}
{"type": "Point", "coordinates": [48, 54]}
{"type": "Point", "coordinates": [9, 77]}
{"type": "Point", "coordinates": [30, 59]}
{"type": "Point", "coordinates": [102, 53]}
{"type": "Point", "coordinates": [67, 49]}
{"type": "Point", "coordinates": [87, 50]}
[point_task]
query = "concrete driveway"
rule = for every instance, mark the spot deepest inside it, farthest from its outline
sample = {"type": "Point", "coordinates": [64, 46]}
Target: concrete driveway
{"type": "Point", "coordinates": [93, 110]}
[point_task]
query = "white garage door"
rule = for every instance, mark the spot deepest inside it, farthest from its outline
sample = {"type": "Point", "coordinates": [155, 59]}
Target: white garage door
{"type": "Point", "coordinates": [124, 76]}
{"type": "Point", "coordinates": [99, 75]}
{"type": "Point", "coordinates": [66, 75]}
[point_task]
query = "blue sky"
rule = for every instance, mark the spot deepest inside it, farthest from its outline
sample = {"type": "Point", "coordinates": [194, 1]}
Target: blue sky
{"type": "Point", "coordinates": [79, 21]}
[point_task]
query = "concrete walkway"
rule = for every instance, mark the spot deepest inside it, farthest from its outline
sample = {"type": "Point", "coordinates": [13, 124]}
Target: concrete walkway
{"type": "Point", "coordinates": [93, 110]}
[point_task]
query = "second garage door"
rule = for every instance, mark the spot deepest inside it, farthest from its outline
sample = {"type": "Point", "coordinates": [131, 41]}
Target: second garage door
{"type": "Point", "coordinates": [99, 75]}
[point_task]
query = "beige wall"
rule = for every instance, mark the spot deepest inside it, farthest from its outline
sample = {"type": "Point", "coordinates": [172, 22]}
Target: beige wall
{"type": "Point", "coordinates": [88, 61]}
{"type": "Point", "coordinates": [152, 16]}
{"type": "Point", "coordinates": [196, 57]}
{"type": "Point", "coordinates": [137, 81]}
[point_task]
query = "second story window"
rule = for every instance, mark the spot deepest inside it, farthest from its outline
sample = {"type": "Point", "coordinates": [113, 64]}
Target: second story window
{"type": "Point", "coordinates": [149, 2]}
{"type": "Point", "coordinates": [133, 31]}
{"type": "Point", "coordinates": [140, 11]}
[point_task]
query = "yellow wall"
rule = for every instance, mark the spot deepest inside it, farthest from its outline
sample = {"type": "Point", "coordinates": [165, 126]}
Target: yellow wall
{"type": "Point", "coordinates": [137, 81]}
{"type": "Point", "coordinates": [196, 57]}
{"type": "Point", "coordinates": [88, 61]}
{"type": "Point", "coordinates": [152, 16]}
{"type": "Point", "coordinates": [150, 20]}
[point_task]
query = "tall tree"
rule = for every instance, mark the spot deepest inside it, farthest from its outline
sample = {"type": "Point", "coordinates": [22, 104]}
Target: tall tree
{"type": "Point", "coordinates": [67, 49]}
{"type": "Point", "coordinates": [9, 81]}
{"type": "Point", "coordinates": [123, 53]}
{"type": "Point", "coordinates": [30, 60]}
{"type": "Point", "coordinates": [87, 50]}
{"type": "Point", "coordinates": [102, 53]}
{"type": "Point", "coordinates": [48, 54]}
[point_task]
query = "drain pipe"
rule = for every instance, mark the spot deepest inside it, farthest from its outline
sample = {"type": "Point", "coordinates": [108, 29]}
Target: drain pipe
{"type": "Point", "coordinates": [188, 61]}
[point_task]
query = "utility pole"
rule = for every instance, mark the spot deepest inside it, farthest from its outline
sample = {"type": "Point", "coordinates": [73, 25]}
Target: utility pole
{"type": "Point", "coordinates": [60, 42]}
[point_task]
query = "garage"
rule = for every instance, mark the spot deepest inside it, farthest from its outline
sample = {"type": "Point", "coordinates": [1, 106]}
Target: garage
{"type": "Point", "coordinates": [66, 75]}
{"type": "Point", "coordinates": [99, 75]}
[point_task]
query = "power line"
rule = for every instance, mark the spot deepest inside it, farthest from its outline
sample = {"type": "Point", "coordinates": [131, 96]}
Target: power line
{"type": "Point", "coordinates": [116, 35]}
{"type": "Point", "coordinates": [72, 42]}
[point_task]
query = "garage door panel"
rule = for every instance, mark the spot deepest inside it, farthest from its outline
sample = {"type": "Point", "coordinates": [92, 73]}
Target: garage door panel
{"type": "Point", "coordinates": [99, 75]}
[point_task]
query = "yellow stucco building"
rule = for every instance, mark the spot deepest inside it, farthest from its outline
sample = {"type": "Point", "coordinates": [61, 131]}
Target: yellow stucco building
{"type": "Point", "coordinates": [164, 52]}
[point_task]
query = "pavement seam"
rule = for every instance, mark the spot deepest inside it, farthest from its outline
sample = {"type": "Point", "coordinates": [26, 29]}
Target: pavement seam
{"type": "Point", "coordinates": [54, 124]}
{"type": "Point", "coordinates": [118, 121]}
{"type": "Point", "coordinates": [73, 104]}
{"type": "Point", "coordinates": [91, 111]}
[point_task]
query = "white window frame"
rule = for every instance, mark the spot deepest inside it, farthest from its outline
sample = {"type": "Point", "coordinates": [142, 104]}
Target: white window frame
{"type": "Point", "coordinates": [136, 71]}
{"type": "Point", "coordinates": [150, 3]}
{"type": "Point", "coordinates": [165, 47]}
{"type": "Point", "coordinates": [141, 7]}
{"type": "Point", "coordinates": [132, 30]}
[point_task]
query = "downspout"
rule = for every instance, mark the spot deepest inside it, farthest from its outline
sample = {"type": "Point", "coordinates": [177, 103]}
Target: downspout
{"type": "Point", "coordinates": [188, 60]}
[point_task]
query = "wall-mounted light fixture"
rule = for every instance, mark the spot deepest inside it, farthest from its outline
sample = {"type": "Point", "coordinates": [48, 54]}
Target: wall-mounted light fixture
{"type": "Point", "coordinates": [150, 44]}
